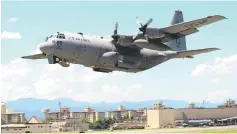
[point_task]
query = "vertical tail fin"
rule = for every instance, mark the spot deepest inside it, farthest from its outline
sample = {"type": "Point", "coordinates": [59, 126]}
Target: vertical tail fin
{"type": "Point", "coordinates": [180, 43]}
{"type": "Point", "coordinates": [184, 117]}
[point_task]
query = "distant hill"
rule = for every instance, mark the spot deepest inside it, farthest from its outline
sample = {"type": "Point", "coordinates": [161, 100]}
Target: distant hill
{"type": "Point", "coordinates": [32, 106]}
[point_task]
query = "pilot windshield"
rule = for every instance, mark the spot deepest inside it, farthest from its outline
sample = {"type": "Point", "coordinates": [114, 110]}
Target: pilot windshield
{"type": "Point", "coordinates": [61, 36]}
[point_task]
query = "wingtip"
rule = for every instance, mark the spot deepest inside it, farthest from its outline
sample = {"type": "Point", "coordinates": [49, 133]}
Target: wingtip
{"type": "Point", "coordinates": [222, 17]}
{"type": "Point", "coordinates": [216, 49]}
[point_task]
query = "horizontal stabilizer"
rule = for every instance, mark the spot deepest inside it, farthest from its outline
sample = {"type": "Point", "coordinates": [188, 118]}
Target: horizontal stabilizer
{"type": "Point", "coordinates": [35, 57]}
{"type": "Point", "coordinates": [190, 53]}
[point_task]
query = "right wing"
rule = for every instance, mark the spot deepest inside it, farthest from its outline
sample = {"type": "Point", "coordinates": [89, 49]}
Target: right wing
{"type": "Point", "coordinates": [35, 56]}
{"type": "Point", "coordinates": [190, 53]}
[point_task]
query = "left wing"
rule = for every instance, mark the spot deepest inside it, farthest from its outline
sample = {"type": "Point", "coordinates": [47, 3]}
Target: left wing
{"type": "Point", "coordinates": [35, 57]}
{"type": "Point", "coordinates": [187, 28]}
{"type": "Point", "coordinates": [192, 24]}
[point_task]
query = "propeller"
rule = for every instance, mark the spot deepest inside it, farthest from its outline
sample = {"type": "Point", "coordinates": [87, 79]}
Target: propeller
{"type": "Point", "coordinates": [115, 36]}
{"type": "Point", "coordinates": [142, 27]}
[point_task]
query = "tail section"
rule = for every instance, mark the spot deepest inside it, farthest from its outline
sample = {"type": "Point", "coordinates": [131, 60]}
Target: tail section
{"type": "Point", "coordinates": [180, 43]}
{"type": "Point", "coordinates": [184, 117]}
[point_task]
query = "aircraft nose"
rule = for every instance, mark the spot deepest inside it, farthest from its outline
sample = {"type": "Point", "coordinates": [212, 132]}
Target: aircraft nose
{"type": "Point", "coordinates": [47, 47]}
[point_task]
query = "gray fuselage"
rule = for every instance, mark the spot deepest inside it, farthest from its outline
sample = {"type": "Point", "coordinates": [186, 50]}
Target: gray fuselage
{"type": "Point", "coordinates": [97, 52]}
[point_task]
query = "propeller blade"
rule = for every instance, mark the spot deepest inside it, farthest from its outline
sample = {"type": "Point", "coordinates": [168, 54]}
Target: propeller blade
{"type": "Point", "coordinates": [139, 22]}
{"type": "Point", "coordinates": [143, 27]}
{"type": "Point", "coordinates": [116, 28]}
{"type": "Point", "coordinates": [115, 36]}
{"type": "Point", "coordinates": [149, 22]}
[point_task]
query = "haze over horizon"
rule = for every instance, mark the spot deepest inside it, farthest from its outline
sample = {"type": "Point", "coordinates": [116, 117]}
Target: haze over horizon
{"type": "Point", "coordinates": [210, 77]}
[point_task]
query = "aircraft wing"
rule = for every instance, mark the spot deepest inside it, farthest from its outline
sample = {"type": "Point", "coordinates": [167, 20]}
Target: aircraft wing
{"type": "Point", "coordinates": [190, 53]}
{"type": "Point", "coordinates": [187, 28]}
{"type": "Point", "coordinates": [35, 56]}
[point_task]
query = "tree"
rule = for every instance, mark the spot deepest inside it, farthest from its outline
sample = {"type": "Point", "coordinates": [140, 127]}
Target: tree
{"type": "Point", "coordinates": [102, 124]}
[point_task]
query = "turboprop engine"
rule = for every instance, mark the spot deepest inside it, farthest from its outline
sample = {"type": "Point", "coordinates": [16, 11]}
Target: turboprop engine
{"type": "Point", "coordinates": [110, 58]}
{"type": "Point", "coordinates": [115, 59]}
{"type": "Point", "coordinates": [125, 40]}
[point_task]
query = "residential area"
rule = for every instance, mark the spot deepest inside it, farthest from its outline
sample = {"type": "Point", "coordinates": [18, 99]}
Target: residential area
{"type": "Point", "coordinates": [159, 116]}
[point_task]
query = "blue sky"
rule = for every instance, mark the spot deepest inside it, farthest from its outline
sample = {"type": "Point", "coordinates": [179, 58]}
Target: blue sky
{"type": "Point", "coordinates": [209, 76]}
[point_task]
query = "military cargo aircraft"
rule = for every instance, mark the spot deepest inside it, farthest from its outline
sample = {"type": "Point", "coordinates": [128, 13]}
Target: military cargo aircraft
{"type": "Point", "coordinates": [128, 53]}
{"type": "Point", "coordinates": [195, 123]}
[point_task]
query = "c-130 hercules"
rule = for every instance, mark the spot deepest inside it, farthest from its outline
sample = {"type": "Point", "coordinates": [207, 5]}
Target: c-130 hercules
{"type": "Point", "coordinates": [128, 53]}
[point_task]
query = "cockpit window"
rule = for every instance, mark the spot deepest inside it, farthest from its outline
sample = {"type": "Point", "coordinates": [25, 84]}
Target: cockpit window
{"type": "Point", "coordinates": [61, 36]}
{"type": "Point", "coordinates": [80, 33]}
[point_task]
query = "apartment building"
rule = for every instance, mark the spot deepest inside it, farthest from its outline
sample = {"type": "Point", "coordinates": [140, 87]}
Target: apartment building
{"type": "Point", "coordinates": [88, 115]}
{"type": "Point", "coordinates": [10, 117]}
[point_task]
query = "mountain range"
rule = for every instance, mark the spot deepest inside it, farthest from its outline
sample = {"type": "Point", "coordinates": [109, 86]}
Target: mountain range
{"type": "Point", "coordinates": [33, 107]}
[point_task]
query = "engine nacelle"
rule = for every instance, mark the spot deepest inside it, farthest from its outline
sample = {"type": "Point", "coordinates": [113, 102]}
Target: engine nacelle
{"type": "Point", "coordinates": [110, 58]}
{"type": "Point", "coordinates": [125, 65]}
{"type": "Point", "coordinates": [125, 40]}
{"type": "Point", "coordinates": [145, 44]}
{"type": "Point", "coordinates": [155, 33]}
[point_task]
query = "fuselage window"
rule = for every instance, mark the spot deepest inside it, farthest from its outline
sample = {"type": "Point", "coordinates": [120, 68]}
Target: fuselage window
{"type": "Point", "coordinates": [59, 42]}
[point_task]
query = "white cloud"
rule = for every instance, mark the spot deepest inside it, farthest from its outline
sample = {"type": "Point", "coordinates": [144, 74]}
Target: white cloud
{"type": "Point", "coordinates": [220, 67]}
{"type": "Point", "coordinates": [29, 78]}
{"type": "Point", "coordinates": [23, 78]}
{"type": "Point", "coordinates": [12, 19]}
{"type": "Point", "coordinates": [10, 35]}
{"type": "Point", "coordinates": [215, 80]}
{"type": "Point", "coordinates": [219, 95]}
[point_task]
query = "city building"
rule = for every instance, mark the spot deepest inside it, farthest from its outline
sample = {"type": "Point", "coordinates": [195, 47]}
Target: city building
{"type": "Point", "coordinates": [229, 103]}
{"type": "Point", "coordinates": [122, 113]}
{"type": "Point", "coordinates": [163, 117]}
{"type": "Point", "coordinates": [13, 128]}
{"type": "Point", "coordinates": [10, 117]}
{"type": "Point", "coordinates": [88, 109]}
{"type": "Point", "coordinates": [99, 116]}
{"type": "Point", "coordinates": [3, 108]}
{"type": "Point", "coordinates": [142, 110]}
{"type": "Point", "coordinates": [34, 125]}
{"type": "Point", "coordinates": [114, 115]}
{"type": "Point", "coordinates": [79, 115]}
{"type": "Point", "coordinates": [89, 115]}
{"type": "Point", "coordinates": [69, 125]}
{"type": "Point", "coordinates": [121, 108]}
{"type": "Point", "coordinates": [142, 114]}
{"type": "Point", "coordinates": [62, 113]}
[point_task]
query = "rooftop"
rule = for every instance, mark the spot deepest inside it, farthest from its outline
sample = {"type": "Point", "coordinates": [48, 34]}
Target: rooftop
{"type": "Point", "coordinates": [14, 126]}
